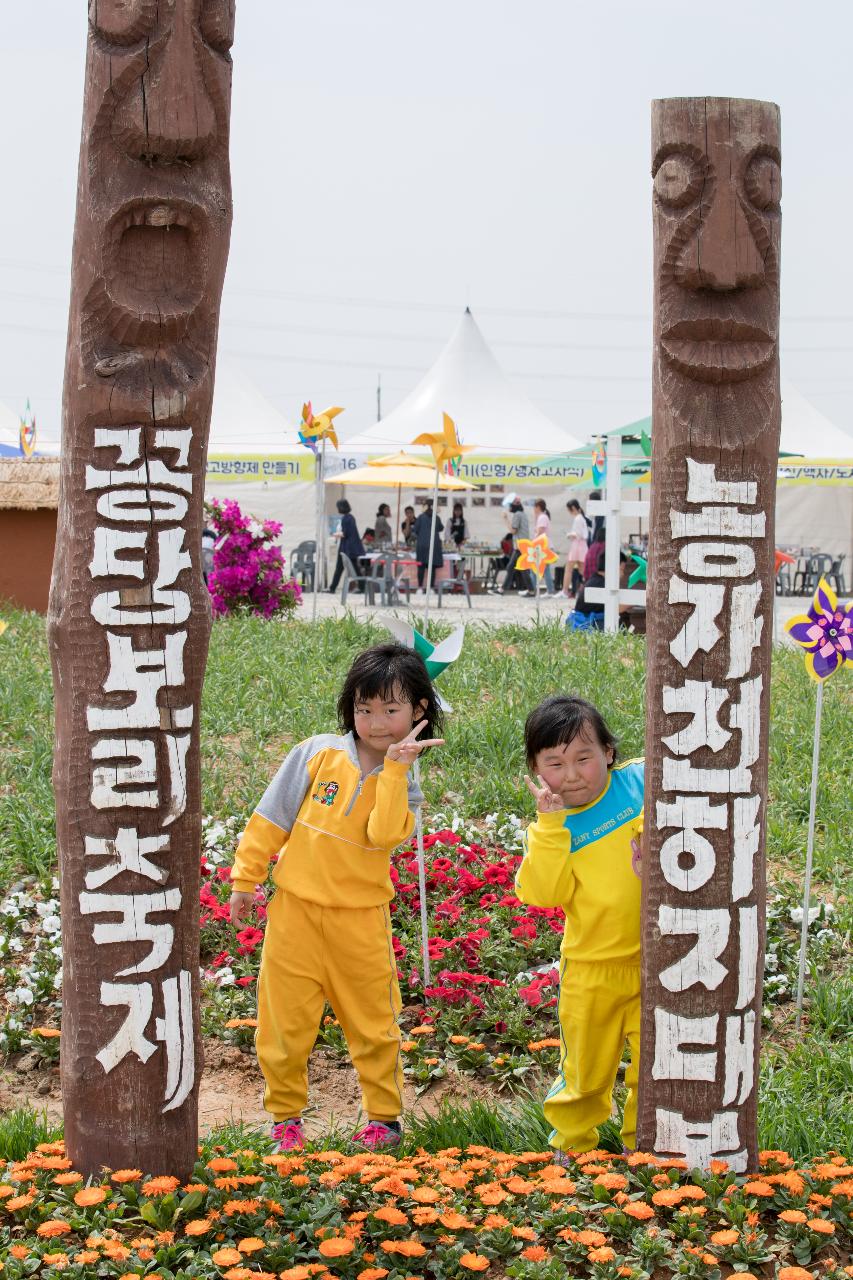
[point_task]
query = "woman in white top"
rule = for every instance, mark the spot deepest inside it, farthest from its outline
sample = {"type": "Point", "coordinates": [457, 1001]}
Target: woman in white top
{"type": "Point", "coordinates": [578, 534]}
{"type": "Point", "coordinates": [543, 527]}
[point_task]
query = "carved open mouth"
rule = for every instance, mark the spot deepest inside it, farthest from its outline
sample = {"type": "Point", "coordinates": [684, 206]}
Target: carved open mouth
{"type": "Point", "coordinates": [714, 350]}
{"type": "Point", "coordinates": [155, 267]}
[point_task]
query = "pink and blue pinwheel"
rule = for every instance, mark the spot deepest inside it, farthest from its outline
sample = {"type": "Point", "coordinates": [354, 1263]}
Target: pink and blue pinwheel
{"type": "Point", "coordinates": [825, 632]}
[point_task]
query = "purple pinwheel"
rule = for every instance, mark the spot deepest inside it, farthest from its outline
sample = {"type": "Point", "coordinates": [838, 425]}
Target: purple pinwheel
{"type": "Point", "coordinates": [825, 632]}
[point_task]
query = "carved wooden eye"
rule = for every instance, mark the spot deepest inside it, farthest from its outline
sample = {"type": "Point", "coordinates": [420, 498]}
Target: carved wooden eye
{"type": "Point", "coordinates": [122, 21]}
{"type": "Point", "coordinates": [678, 181]}
{"type": "Point", "coordinates": [763, 182]}
{"type": "Point", "coordinates": [217, 24]}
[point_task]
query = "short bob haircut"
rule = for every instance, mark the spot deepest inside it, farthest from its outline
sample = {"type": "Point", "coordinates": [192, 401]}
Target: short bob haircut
{"type": "Point", "coordinates": [390, 671]}
{"type": "Point", "coordinates": [558, 720]}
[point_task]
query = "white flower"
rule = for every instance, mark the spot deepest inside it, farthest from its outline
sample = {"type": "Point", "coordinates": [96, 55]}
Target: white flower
{"type": "Point", "coordinates": [225, 977]}
{"type": "Point", "coordinates": [57, 980]}
{"type": "Point", "coordinates": [22, 995]}
{"type": "Point", "coordinates": [51, 924]}
{"type": "Point", "coordinates": [771, 962]}
{"type": "Point", "coordinates": [47, 908]}
{"type": "Point", "coordinates": [16, 945]}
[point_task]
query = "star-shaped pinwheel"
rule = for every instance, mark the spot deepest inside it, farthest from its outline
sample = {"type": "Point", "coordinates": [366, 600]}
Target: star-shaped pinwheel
{"type": "Point", "coordinates": [318, 426]}
{"type": "Point", "coordinates": [437, 657]}
{"type": "Point", "coordinates": [444, 444]}
{"type": "Point", "coordinates": [536, 554]}
{"type": "Point", "coordinates": [640, 574]}
{"type": "Point", "coordinates": [825, 632]}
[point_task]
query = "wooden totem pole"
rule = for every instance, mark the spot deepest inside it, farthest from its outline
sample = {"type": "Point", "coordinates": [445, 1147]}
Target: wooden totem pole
{"type": "Point", "coordinates": [716, 419]}
{"type": "Point", "coordinates": [129, 615]}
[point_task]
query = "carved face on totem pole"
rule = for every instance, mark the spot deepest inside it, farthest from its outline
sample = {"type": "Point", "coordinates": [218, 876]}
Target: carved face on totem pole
{"type": "Point", "coordinates": [159, 183]}
{"type": "Point", "coordinates": [717, 188]}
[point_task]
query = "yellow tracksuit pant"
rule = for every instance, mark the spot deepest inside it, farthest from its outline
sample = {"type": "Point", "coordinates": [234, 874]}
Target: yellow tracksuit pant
{"type": "Point", "coordinates": [599, 1008]}
{"type": "Point", "coordinates": [342, 955]}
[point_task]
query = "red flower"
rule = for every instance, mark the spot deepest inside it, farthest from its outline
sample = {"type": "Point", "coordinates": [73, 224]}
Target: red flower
{"type": "Point", "coordinates": [249, 939]}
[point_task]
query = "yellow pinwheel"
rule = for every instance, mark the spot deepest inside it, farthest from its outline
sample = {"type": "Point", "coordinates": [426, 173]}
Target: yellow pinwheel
{"type": "Point", "coordinates": [318, 426]}
{"type": "Point", "coordinates": [444, 444]}
{"type": "Point", "coordinates": [536, 554]}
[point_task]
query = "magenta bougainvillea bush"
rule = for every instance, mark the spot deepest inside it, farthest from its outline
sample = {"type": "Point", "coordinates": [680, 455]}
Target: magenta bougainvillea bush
{"type": "Point", "coordinates": [248, 568]}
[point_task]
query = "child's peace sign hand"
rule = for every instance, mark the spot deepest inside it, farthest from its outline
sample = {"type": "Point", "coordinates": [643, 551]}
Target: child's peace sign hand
{"type": "Point", "coordinates": [409, 748]}
{"type": "Point", "coordinates": [547, 801]}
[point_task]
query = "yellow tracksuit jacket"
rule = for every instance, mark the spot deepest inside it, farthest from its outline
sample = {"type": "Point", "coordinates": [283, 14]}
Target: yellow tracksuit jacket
{"type": "Point", "coordinates": [328, 934]}
{"type": "Point", "coordinates": [581, 860]}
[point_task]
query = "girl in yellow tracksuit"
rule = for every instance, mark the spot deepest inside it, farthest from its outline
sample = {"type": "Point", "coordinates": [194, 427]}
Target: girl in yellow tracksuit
{"type": "Point", "coordinates": [330, 818]}
{"type": "Point", "coordinates": [582, 854]}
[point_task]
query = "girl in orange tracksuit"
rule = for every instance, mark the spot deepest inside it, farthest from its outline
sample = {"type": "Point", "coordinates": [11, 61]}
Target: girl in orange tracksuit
{"type": "Point", "coordinates": [338, 806]}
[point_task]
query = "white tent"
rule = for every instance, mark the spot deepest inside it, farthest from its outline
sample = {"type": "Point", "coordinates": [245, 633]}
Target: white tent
{"type": "Point", "coordinates": [467, 382]}
{"type": "Point", "coordinates": [244, 421]}
{"type": "Point", "coordinates": [806, 431]}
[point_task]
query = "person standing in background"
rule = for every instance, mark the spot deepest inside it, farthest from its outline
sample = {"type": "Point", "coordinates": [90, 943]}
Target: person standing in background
{"type": "Point", "coordinates": [458, 527]}
{"type": "Point", "coordinates": [350, 543]}
{"type": "Point", "coordinates": [578, 545]}
{"type": "Point", "coordinates": [422, 527]}
{"type": "Point", "coordinates": [407, 526]}
{"type": "Point", "coordinates": [519, 528]}
{"type": "Point", "coordinates": [382, 525]}
{"type": "Point", "coordinates": [542, 528]}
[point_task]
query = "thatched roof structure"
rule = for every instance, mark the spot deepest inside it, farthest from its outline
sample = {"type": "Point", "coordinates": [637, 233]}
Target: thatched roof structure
{"type": "Point", "coordinates": [28, 484]}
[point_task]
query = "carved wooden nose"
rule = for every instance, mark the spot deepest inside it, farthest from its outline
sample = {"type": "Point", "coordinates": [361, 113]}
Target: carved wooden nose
{"type": "Point", "coordinates": [722, 254]}
{"type": "Point", "coordinates": [167, 114]}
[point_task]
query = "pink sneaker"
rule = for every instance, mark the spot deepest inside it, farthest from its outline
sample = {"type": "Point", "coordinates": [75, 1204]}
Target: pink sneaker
{"type": "Point", "coordinates": [288, 1135]}
{"type": "Point", "coordinates": [375, 1135]}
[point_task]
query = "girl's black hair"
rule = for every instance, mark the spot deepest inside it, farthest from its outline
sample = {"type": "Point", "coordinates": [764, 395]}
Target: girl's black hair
{"type": "Point", "coordinates": [343, 507]}
{"type": "Point", "coordinates": [388, 671]}
{"type": "Point", "coordinates": [558, 721]}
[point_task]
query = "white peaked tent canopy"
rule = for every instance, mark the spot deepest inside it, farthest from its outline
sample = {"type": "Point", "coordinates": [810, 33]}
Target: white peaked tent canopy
{"type": "Point", "coordinates": [467, 382]}
{"type": "Point", "coordinates": [244, 421]}
{"type": "Point", "coordinates": [806, 431]}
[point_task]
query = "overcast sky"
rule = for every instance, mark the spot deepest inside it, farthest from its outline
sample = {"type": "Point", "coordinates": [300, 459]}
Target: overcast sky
{"type": "Point", "coordinates": [393, 163]}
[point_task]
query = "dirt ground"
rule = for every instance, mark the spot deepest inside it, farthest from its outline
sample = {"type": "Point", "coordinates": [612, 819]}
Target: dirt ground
{"type": "Point", "coordinates": [232, 1090]}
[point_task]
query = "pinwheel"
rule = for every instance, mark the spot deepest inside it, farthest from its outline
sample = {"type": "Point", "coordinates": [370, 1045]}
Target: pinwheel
{"type": "Point", "coordinates": [641, 571]}
{"type": "Point", "coordinates": [446, 449]}
{"type": "Point", "coordinates": [28, 433]}
{"type": "Point", "coordinates": [313, 429]}
{"type": "Point", "coordinates": [536, 555]}
{"type": "Point", "coordinates": [825, 632]}
{"type": "Point", "coordinates": [437, 658]}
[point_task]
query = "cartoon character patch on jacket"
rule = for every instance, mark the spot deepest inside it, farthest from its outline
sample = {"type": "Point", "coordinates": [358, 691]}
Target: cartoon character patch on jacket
{"type": "Point", "coordinates": [326, 793]}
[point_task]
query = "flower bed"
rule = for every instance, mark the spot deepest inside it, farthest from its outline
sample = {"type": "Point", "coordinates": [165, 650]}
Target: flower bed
{"type": "Point", "coordinates": [246, 1215]}
{"type": "Point", "coordinates": [490, 1007]}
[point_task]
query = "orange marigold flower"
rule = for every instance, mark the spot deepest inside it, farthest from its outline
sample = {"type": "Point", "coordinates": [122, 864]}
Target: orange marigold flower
{"type": "Point", "coordinates": [729, 1236]}
{"type": "Point", "coordinates": [221, 1164]}
{"type": "Point", "coordinates": [160, 1186]}
{"type": "Point", "coordinates": [53, 1227]}
{"type": "Point", "coordinates": [371, 1273]}
{"type": "Point", "coordinates": [837, 1169]}
{"type": "Point", "coordinates": [300, 1180]}
{"type": "Point", "coordinates": [718, 1166]}
{"type": "Point", "coordinates": [758, 1187]}
{"type": "Point", "coordinates": [424, 1217]}
{"type": "Point", "coordinates": [424, 1030]}
{"type": "Point", "coordinates": [250, 1244]}
{"type": "Point", "coordinates": [592, 1239]}
{"type": "Point", "coordinates": [821, 1226]}
{"type": "Point", "coordinates": [226, 1257]}
{"type": "Point", "coordinates": [524, 1233]}
{"type": "Point", "coordinates": [602, 1254]}
{"type": "Point", "coordinates": [474, 1262]}
{"type": "Point", "coordinates": [58, 1260]}
{"type": "Point", "coordinates": [67, 1179]}
{"type": "Point", "coordinates": [775, 1157]}
{"type": "Point", "coordinates": [667, 1198]}
{"type": "Point", "coordinates": [198, 1227]}
{"type": "Point", "coordinates": [85, 1256]}
{"type": "Point", "coordinates": [490, 1193]}
{"type": "Point", "coordinates": [19, 1202]}
{"type": "Point", "coordinates": [638, 1209]}
{"type": "Point", "coordinates": [793, 1273]}
{"type": "Point", "coordinates": [844, 1188]}
{"type": "Point", "coordinates": [19, 1251]}
{"type": "Point", "coordinates": [232, 1023]}
{"type": "Point", "coordinates": [792, 1215]}
{"type": "Point", "coordinates": [293, 1273]}
{"type": "Point", "coordinates": [821, 1202]}
{"type": "Point", "coordinates": [90, 1196]}
{"type": "Point", "coordinates": [336, 1247]}
{"type": "Point", "coordinates": [407, 1046]}
{"type": "Point", "coordinates": [395, 1217]}
{"type": "Point", "coordinates": [6, 1190]}
{"type": "Point", "coordinates": [126, 1175]}
{"type": "Point", "coordinates": [611, 1181]}
{"type": "Point", "coordinates": [535, 1253]}
{"type": "Point", "coordinates": [241, 1206]}
{"type": "Point", "coordinates": [455, 1221]}
{"type": "Point", "coordinates": [406, 1248]}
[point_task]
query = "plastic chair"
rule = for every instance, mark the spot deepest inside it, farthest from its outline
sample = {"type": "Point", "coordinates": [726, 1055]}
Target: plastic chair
{"type": "Point", "coordinates": [303, 563]}
{"type": "Point", "coordinates": [391, 583]}
{"type": "Point", "coordinates": [835, 577]}
{"type": "Point", "coordinates": [817, 567]}
{"type": "Point", "coordinates": [450, 584]}
{"type": "Point", "coordinates": [352, 578]}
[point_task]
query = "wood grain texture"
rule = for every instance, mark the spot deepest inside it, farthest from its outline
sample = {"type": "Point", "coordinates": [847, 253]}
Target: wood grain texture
{"type": "Point", "coordinates": [716, 419]}
{"type": "Point", "coordinates": [129, 614]}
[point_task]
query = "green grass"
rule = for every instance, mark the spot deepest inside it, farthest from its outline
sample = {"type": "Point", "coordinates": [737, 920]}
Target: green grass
{"type": "Point", "coordinates": [22, 1130]}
